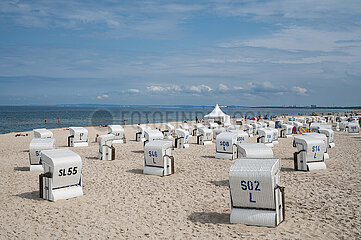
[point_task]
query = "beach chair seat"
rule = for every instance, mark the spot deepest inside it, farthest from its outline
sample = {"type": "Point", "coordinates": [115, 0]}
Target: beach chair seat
{"type": "Point", "coordinates": [106, 148]}
{"type": "Point", "coordinates": [118, 132]}
{"type": "Point", "coordinates": [36, 146]}
{"type": "Point", "coordinates": [78, 137]}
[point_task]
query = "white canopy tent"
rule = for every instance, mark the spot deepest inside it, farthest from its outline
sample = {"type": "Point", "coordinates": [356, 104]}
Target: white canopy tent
{"type": "Point", "coordinates": [218, 115]}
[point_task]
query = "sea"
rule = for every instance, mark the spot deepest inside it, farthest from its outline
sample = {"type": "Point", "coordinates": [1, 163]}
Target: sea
{"type": "Point", "coordinates": [27, 118]}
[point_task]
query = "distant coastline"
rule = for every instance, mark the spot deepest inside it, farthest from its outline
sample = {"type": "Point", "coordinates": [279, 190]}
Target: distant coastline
{"type": "Point", "coordinates": [191, 106]}
{"type": "Point", "coordinates": [316, 108]}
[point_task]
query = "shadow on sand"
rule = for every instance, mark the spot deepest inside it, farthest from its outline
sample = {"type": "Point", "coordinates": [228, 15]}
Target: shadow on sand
{"type": "Point", "coordinates": [22, 169]}
{"type": "Point", "coordinates": [135, 171]}
{"type": "Point", "coordinates": [34, 195]}
{"type": "Point", "coordinates": [209, 217]}
{"type": "Point", "coordinates": [287, 169]}
{"type": "Point", "coordinates": [221, 183]}
{"type": "Point", "coordinates": [138, 151]}
{"type": "Point", "coordinates": [208, 156]}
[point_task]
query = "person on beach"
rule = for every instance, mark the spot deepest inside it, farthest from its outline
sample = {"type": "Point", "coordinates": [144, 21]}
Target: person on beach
{"type": "Point", "coordinates": [21, 135]}
{"type": "Point", "coordinates": [124, 122]}
{"type": "Point", "coordinates": [45, 120]}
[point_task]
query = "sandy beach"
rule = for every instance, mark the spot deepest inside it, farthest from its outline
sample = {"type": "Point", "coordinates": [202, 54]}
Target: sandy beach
{"type": "Point", "coordinates": [120, 202]}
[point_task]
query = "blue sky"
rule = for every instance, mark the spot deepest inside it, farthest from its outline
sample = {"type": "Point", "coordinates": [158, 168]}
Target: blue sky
{"type": "Point", "coordinates": [249, 53]}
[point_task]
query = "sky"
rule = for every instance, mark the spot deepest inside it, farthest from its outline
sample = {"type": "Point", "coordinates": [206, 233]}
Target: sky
{"type": "Point", "coordinates": [246, 53]}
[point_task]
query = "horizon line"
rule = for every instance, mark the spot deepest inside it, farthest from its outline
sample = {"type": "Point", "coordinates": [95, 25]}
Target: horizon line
{"type": "Point", "coordinates": [179, 105]}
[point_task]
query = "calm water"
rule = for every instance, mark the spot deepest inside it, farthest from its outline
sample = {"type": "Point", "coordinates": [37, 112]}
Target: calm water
{"type": "Point", "coordinates": [25, 118]}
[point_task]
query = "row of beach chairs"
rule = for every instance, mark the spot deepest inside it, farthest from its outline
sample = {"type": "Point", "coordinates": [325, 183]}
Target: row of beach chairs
{"type": "Point", "coordinates": [256, 195]}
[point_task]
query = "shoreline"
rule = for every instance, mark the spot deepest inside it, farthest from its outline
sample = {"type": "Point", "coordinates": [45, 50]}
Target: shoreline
{"type": "Point", "coordinates": [159, 123]}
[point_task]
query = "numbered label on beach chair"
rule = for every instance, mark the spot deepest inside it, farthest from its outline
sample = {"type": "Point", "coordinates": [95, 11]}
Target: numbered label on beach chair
{"type": "Point", "coordinates": [251, 188]}
{"type": "Point", "coordinates": [315, 150]}
{"type": "Point", "coordinates": [225, 146]}
{"type": "Point", "coordinates": [154, 156]}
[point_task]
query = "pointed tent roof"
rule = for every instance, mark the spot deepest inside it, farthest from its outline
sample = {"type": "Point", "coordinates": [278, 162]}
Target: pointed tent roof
{"type": "Point", "coordinates": [217, 112]}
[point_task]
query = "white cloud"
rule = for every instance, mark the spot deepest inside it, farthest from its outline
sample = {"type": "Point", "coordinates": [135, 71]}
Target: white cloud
{"type": "Point", "coordinates": [104, 96]}
{"type": "Point", "coordinates": [175, 88]}
{"type": "Point", "coordinates": [300, 90]}
{"type": "Point", "coordinates": [274, 10]}
{"type": "Point", "coordinates": [223, 87]}
{"type": "Point", "coordinates": [178, 89]}
{"type": "Point", "coordinates": [200, 88]}
{"type": "Point", "coordinates": [296, 38]}
{"type": "Point", "coordinates": [267, 85]}
{"type": "Point", "coordinates": [145, 19]}
{"type": "Point", "coordinates": [133, 90]}
{"type": "Point", "coordinates": [156, 88]}
{"type": "Point", "coordinates": [238, 88]}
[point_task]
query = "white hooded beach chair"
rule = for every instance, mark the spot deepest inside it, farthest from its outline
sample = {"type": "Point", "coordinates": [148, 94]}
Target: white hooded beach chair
{"type": "Point", "coordinates": [336, 126]}
{"type": "Point", "coordinates": [343, 125]}
{"type": "Point", "coordinates": [217, 131]}
{"type": "Point", "coordinates": [139, 136]}
{"type": "Point", "coordinates": [265, 136]}
{"type": "Point", "coordinates": [353, 128]}
{"type": "Point", "coordinates": [187, 127]}
{"type": "Point", "coordinates": [254, 150]}
{"type": "Point", "coordinates": [323, 138]}
{"type": "Point", "coordinates": [182, 138]}
{"type": "Point", "coordinates": [256, 195]}
{"type": "Point", "coordinates": [169, 131]}
{"type": "Point", "coordinates": [226, 145]}
{"type": "Point", "coordinates": [286, 131]}
{"type": "Point", "coordinates": [42, 133]}
{"type": "Point", "coordinates": [255, 126]}
{"type": "Point", "coordinates": [151, 135]}
{"type": "Point", "coordinates": [106, 149]}
{"type": "Point", "coordinates": [205, 136]}
{"type": "Point", "coordinates": [62, 175]}
{"type": "Point", "coordinates": [78, 137]}
{"type": "Point", "coordinates": [310, 153]}
{"type": "Point", "coordinates": [274, 135]}
{"type": "Point", "coordinates": [36, 146]}
{"type": "Point", "coordinates": [242, 136]}
{"type": "Point", "coordinates": [248, 128]}
{"type": "Point", "coordinates": [158, 159]}
{"type": "Point", "coordinates": [233, 128]}
{"type": "Point", "coordinates": [329, 134]}
{"type": "Point", "coordinates": [196, 128]}
{"type": "Point", "coordinates": [118, 132]}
